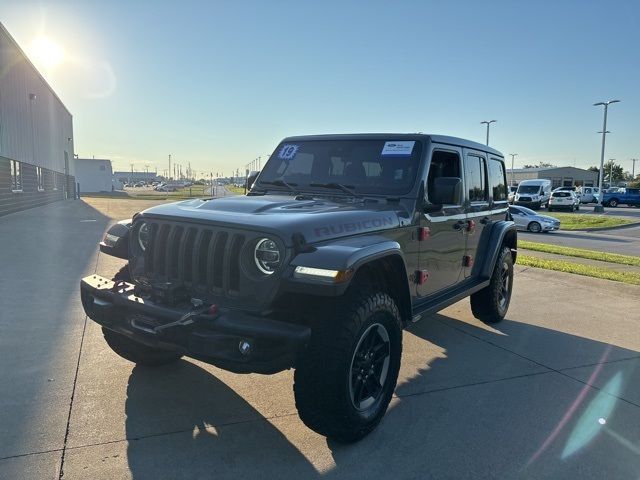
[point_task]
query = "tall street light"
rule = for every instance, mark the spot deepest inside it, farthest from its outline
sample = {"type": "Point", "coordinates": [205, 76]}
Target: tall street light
{"type": "Point", "coordinates": [513, 155]}
{"type": "Point", "coordinates": [599, 208]}
{"type": "Point", "coordinates": [488, 123]}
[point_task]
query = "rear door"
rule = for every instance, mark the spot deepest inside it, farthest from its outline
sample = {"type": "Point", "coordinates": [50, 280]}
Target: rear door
{"type": "Point", "coordinates": [477, 205]}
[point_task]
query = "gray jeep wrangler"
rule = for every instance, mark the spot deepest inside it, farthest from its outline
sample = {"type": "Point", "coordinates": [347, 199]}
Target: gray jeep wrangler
{"type": "Point", "coordinates": [341, 242]}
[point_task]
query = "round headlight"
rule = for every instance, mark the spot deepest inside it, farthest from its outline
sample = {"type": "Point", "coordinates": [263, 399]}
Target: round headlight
{"type": "Point", "coordinates": [267, 256]}
{"type": "Point", "coordinates": [143, 236]}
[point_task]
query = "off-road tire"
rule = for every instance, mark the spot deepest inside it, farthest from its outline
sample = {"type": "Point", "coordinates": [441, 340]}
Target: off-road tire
{"type": "Point", "coordinates": [137, 352]}
{"type": "Point", "coordinates": [490, 304]}
{"type": "Point", "coordinates": [323, 380]}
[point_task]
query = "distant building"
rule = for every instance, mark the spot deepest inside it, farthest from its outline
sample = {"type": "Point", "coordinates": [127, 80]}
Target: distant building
{"type": "Point", "coordinates": [127, 177]}
{"type": "Point", "coordinates": [94, 175]}
{"type": "Point", "coordinates": [36, 135]}
{"type": "Point", "coordinates": [559, 176]}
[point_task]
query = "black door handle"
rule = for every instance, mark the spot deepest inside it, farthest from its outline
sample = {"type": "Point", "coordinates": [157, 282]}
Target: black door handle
{"type": "Point", "coordinates": [485, 220]}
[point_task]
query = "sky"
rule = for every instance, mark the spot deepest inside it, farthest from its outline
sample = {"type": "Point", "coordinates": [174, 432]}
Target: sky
{"type": "Point", "coordinates": [217, 84]}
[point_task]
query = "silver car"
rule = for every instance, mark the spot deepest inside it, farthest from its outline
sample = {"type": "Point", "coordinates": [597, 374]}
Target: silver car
{"type": "Point", "coordinates": [527, 219]}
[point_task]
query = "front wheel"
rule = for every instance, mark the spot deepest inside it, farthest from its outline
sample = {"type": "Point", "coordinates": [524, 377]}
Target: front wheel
{"type": "Point", "coordinates": [534, 227]}
{"type": "Point", "coordinates": [490, 304]}
{"type": "Point", "coordinates": [344, 382]}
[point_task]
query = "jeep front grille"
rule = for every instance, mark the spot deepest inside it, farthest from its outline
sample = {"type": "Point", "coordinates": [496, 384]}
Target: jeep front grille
{"type": "Point", "coordinates": [205, 260]}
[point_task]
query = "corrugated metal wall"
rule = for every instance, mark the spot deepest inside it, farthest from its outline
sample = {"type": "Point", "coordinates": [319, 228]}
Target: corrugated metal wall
{"type": "Point", "coordinates": [35, 129]}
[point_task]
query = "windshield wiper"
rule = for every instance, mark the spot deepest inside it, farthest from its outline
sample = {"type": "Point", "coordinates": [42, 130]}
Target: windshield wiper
{"type": "Point", "coordinates": [280, 183]}
{"type": "Point", "coordinates": [336, 186]}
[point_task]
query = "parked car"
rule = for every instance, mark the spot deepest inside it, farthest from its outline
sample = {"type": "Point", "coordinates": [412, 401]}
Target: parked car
{"type": "Point", "coordinates": [304, 273]}
{"type": "Point", "coordinates": [588, 194]}
{"type": "Point", "coordinates": [624, 196]}
{"type": "Point", "coordinates": [512, 195]}
{"type": "Point", "coordinates": [533, 193]}
{"type": "Point", "coordinates": [563, 199]}
{"type": "Point", "coordinates": [527, 219]}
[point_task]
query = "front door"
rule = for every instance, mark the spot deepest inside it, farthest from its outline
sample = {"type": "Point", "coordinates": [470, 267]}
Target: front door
{"type": "Point", "coordinates": [442, 250]}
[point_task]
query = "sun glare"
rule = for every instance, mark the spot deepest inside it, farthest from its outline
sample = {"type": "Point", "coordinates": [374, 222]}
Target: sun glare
{"type": "Point", "coordinates": [46, 53]}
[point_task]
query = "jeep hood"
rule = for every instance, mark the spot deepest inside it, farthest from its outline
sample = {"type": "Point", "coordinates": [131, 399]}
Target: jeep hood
{"type": "Point", "coordinates": [317, 219]}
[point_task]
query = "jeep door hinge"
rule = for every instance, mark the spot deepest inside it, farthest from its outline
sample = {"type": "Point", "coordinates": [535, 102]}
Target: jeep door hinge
{"type": "Point", "coordinates": [421, 276]}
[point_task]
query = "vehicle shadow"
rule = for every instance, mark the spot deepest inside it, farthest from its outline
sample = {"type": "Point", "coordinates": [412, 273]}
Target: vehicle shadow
{"type": "Point", "coordinates": [472, 403]}
{"type": "Point", "coordinates": [183, 422]}
{"type": "Point", "coordinates": [477, 407]}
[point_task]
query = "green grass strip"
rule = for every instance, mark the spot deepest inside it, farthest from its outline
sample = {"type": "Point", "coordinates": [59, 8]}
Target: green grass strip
{"type": "Point", "coordinates": [577, 221]}
{"type": "Point", "coordinates": [632, 278]}
{"type": "Point", "coordinates": [580, 253]}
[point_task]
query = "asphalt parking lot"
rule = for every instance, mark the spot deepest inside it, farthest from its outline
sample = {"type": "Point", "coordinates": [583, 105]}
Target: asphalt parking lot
{"type": "Point", "coordinates": [552, 392]}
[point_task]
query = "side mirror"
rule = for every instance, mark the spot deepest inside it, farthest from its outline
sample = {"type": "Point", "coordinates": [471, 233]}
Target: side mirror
{"type": "Point", "coordinates": [446, 191]}
{"type": "Point", "coordinates": [431, 207]}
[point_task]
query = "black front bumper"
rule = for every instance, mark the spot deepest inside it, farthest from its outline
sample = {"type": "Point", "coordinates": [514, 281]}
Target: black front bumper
{"type": "Point", "coordinates": [212, 338]}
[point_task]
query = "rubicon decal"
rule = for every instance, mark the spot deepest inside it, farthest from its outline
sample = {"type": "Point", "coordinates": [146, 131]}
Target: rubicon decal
{"type": "Point", "coordinates": [353, 226]}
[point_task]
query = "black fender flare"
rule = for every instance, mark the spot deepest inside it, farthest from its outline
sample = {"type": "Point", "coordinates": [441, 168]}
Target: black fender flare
{"type": "Point", "coordinates": [503, 232]}
{"type": "Point", "coordinates": [116, 240]}
{"type": "Point", "coordinates": [349, 256]}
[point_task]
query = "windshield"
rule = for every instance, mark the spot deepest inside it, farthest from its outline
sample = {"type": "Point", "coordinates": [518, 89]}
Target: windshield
{"type": "Point", "coordinates": [379, 167]}
{"type": "Point", "coordinates": [529, 189]}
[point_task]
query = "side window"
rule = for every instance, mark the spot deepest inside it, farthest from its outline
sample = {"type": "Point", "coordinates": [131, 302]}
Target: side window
{"type": "Point", "coordinates": [497, 181]}
{"type": "Point", "coordinates": [476, 176]}
{"type": "Point", "coordinates": [16, 176]}
{"type": "Point", "coordinates": [443, 164]}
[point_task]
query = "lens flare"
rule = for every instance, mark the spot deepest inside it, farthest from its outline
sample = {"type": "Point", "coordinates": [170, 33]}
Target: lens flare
{"type": "Point", "coordinates": [46, 53]}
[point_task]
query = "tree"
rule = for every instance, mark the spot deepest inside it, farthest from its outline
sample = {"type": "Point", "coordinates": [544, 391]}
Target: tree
{"type": "Point", "coordinates": [613, 172]}
{"type": "Point", "coordinates": [540, 165]}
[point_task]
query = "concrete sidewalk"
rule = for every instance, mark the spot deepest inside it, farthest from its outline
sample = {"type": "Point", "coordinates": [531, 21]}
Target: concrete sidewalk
{"type": "Point", "coordinates": [551, 392]}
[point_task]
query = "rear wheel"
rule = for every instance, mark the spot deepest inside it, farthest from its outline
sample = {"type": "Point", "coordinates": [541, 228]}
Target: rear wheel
{"type": "Point", "coordinates": [534, 227]}
{"type": "Point", "coordinates": [492, 302]}
{"type": "Point", "coordinates": [613, 203]}
{"type": "Point", "coordinates": [345, 380]}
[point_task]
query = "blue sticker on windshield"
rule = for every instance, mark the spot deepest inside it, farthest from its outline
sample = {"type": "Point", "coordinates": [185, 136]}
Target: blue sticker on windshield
{"type": "Point", "coordinates": [288, 151]}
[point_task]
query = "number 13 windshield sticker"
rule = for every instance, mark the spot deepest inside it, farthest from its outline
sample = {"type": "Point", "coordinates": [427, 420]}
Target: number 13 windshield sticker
{"type": "Point", "coordinates": [288, 151]}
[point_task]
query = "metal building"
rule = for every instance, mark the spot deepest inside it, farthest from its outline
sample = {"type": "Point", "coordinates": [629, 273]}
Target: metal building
{"type": "Point", "coordinates": [36, 135]}
{"type": "Point", "coordinates": [94, 175]}
{"type": "Point", "coordinates": [559, 176]}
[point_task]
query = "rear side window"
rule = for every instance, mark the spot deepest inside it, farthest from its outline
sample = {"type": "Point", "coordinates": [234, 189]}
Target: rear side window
{"type": "Point", "coordinates": [497, 181]}
{"type": "Point", "coordinates": [476, 178]}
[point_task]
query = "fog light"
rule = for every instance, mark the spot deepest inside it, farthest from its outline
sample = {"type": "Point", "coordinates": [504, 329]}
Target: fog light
{"type": "Point", "coordinates": [245, 347]}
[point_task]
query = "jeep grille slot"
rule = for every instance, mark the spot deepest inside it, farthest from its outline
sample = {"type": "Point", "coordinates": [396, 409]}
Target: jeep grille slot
{"type": "Point", "coordinates": [207, 261]}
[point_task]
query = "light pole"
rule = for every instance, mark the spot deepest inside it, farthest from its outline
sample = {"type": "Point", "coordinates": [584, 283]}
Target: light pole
{"type": "Point", "coordinates": [599, 208]}
{"type": "Point", "coordinates": [633, 168]}
{"type": "Point", "coordinates": [489, 122]}
{"type": "Point", "coordinates": [612, 160]}
{"type": "Point", "coordinates": [513, 155]}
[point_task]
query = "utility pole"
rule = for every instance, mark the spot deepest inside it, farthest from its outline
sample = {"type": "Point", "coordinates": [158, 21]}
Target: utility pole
{"type": "Point", "coordinates": [513, 155]}
{"type": "Point", "coordinates": [612, 160]}
{"type": "Point", "coordinates": [599, 208]}
{"type": "Point", "coordinates": [169, 164]}
{"type": "Point", "coordinates": [633, 168]}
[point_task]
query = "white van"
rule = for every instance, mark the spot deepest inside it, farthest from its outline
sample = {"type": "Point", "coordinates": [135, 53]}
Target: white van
{"type": "Point", "coordinates": [588, 194]}
{"type": "Point", "coordinates": [533, 193]}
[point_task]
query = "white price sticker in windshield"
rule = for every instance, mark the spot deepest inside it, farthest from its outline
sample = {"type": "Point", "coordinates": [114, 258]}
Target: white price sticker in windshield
{"type": "Point", "coordinates": [288, 151]}
{"type": "Point", "coordinates": [403, 148]}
